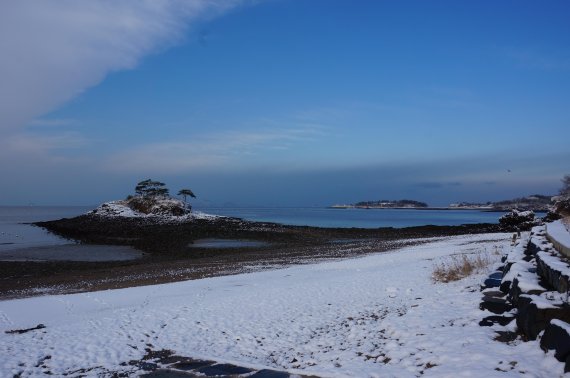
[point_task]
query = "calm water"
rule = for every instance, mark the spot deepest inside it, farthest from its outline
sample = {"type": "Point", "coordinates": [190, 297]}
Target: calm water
{"type": "Point", "coordinates": [15, 235]}
{"type": "Point", "coordinates": [372, 218]}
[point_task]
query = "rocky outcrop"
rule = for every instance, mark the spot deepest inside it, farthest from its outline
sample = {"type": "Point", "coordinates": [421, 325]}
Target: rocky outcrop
{"type": "Point", "coordinates": [518, 221]}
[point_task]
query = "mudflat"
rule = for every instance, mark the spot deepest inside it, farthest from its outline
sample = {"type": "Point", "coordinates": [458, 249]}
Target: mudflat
{"type": "Point", "coordinates": [169, 251]}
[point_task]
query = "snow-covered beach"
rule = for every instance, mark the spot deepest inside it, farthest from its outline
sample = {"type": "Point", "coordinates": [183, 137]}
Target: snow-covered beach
{"type": "Point", "coordinates": [378, 315]}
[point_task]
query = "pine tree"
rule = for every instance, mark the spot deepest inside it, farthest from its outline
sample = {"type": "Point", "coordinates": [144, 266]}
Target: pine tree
{"type": "Point", "coordinates": [185, 193]}
{"type": "Point", "coordinates": [150, 188]}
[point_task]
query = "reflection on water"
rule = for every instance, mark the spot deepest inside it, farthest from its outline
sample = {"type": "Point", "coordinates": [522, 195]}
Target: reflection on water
{"type": "Point", "coordinates": [16, 234]}
{"type": "Point", "coordinates": [72, 252]}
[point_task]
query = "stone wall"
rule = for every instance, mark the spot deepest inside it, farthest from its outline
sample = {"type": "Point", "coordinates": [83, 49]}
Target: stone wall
{"type": "Point", "coordinates": [532, 287]}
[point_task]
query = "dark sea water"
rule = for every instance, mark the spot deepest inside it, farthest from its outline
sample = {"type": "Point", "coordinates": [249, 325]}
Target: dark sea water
{"type": "Point", "coordinates": [363, 218]}
{"type": "Point", "coordinates": [15, 234]}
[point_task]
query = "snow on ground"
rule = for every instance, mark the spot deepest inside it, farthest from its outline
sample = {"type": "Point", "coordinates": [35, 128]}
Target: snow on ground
{"type": "Point", "coordinates": [379, 315]}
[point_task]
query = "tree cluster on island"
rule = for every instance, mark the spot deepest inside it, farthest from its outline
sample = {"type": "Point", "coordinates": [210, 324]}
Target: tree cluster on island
{"type": "Point", "coordinates": [154, 197]}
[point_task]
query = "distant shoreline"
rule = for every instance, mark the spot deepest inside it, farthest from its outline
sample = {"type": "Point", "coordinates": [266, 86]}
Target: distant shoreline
{"type": "Point", "coordinates": [342, 207]}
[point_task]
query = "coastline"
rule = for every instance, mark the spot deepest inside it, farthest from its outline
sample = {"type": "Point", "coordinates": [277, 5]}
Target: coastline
{"type": "Point", "coordinates": [414, 208]}
{"type": "Point", "coordinates": [168, 255]}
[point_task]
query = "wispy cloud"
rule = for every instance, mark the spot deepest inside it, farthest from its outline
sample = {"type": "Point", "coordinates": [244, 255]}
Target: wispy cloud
{"type": "Point", "coordinates": [53, 50]}
{"type": "Point", "coordinates": [52, 122]}
{"type": "Point", "coordinates": [218, 150]}
{"type": "Point", "coordinates": [32, 152]}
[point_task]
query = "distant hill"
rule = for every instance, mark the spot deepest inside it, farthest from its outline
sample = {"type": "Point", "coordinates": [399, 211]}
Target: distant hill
{"type": "Point", "coordinates": [535, 202]}
{"type": "Point", "coordinates": [391, 204]}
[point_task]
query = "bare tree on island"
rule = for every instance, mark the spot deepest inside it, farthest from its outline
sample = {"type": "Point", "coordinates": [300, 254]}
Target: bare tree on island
{"type": "Point", "coordinates": [186, 193]}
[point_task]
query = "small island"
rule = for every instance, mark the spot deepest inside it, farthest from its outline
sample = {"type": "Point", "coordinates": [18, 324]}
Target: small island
{"type": "Point", "coordinates": [535, 202]}
{"type": "Point", "coordinates": [384, 204]}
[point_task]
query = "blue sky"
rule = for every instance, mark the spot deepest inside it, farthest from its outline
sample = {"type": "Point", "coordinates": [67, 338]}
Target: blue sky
{"type": "Point", "coordinates": [285, 102]}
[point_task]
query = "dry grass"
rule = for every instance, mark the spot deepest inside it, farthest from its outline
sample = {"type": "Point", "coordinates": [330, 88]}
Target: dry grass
{"type": "Point", "coordinates": [456, 267]}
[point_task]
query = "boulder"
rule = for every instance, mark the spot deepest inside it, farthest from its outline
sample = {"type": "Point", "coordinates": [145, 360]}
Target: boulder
{"type": "Point", "coordinates": [534, 314]}
{"type": "Point", "coordinates": [518, 221]}
{"type": "Point", "coordinates": [557, 337]}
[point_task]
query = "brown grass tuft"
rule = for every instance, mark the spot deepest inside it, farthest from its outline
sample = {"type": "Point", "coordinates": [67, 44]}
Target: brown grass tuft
{"type": "Point", "coordinates": [457, 267]}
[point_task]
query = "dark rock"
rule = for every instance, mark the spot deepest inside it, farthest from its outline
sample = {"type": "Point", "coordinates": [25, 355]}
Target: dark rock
{"type": "Point", "coordinates": [515, 292]}
{"type": "Point", "coordinates": [551, 217]}
{"type": "Point", "coordinates": [532, 320]}
{"type": "Point", "coordinates": [505, 336]}
{"type": "Point", "coordinates": [163, 373]}
{"type": "Point", "coordinates": [491, 282]}
{"type": "Point", "coordinates": [518, 221]}
{"type": "Point", "coordinates": [495, 319]}
{"type": "Point", "coordinates": [532, 248]}
{"type": "Point", "coordinates": [223, 369]}
{"type": "Point", "coordinates": [496, 276]}
{"type": "Point", "coordinates": [556, 338]}
{"type": "Point", "coordinates": [190, 364]}
{"type": "Point", "coordinates": [266, 373]}
{"type": "Point", "coordinates": [505, 286]}
{"type": "Point", "coordinates": [495, 305]}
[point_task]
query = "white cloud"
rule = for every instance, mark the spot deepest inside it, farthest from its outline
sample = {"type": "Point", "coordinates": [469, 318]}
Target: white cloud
{"type": "Point", "coordinates": [52, 50]}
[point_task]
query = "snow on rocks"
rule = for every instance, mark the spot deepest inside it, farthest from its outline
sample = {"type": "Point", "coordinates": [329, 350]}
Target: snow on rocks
{"type": "Point", "coordinates": [519, 220]}
{"type": "Point", "coordinates": [379, 315]}
{"type": "Point", "coordinates": [159, 212]}
{"type": "Point", "coordinates": [115, 209]}
{"type": "Point", "coordinates": [537, 285]}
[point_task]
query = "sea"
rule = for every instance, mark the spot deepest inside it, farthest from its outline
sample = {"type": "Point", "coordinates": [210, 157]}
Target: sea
{"type": "Point", "coordinates": [17, 233]}
{"type": "Point", "coordinates": [361, 218]}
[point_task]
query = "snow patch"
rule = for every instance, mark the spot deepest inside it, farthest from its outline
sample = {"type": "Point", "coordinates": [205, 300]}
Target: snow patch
{"type": "Point", "coordinates": [378, 315]}
{"type": "Point", "coordinates": [557, 230]}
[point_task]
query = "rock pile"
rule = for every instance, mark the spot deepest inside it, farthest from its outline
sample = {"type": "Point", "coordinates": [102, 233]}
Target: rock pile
{"type": "Point", "coordinates": [517, 220]}
{"type": "Point", "coordinates": [533, 288]}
